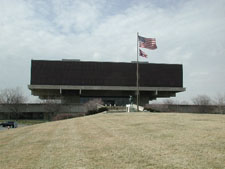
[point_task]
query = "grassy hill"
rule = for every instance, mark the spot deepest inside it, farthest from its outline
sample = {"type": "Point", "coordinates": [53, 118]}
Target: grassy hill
{"type": "Point", "coordinates": [119, 140]}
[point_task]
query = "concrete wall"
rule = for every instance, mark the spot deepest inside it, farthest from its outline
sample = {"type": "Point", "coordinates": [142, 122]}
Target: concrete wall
{"type": "Point", "coordinates": [38, 111]}
{"type": "Point", "coordinates": [188, 108]}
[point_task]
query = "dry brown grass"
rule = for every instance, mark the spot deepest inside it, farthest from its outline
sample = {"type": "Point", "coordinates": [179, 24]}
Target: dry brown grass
{"type": "Point", "coordinates": [125, 140]}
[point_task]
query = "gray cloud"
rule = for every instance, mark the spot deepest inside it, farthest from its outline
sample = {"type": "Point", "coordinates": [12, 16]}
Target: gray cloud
{"type": "Point", "coordinates": [187, 32]}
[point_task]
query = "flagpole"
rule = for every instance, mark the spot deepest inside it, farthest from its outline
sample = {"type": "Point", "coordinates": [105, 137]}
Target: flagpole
{"type": "Point", "coordinates": [137, 74]}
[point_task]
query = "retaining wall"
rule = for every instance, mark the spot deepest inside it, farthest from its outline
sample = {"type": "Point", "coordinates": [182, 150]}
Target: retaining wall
{"type": "Point", "coordinates": [38, 111]}
{"type": "Point", "coordinates": [215, 109]}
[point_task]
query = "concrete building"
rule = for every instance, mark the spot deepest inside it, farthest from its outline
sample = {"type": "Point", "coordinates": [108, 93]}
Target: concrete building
{"type": "Point", "coordinates": [75, 81]}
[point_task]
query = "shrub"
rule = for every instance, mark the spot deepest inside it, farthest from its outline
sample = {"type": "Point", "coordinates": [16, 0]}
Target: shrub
{"type": "Point", "coordinates": [90, 112]}
{"type": "Point", "coordinates": [64, 116]}
{"type": "Point", "coordinates": [150, 108]}
{"type": "Point", "coordinates": [92, 106]}
{"type": "Point", "coordinates": [102, 109]}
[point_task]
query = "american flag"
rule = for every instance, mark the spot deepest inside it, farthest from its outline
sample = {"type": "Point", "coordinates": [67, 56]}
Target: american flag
{"type": "Point", "coordinates": [149, 43]}
{"type": "Point", "coordinates": [142, 53]}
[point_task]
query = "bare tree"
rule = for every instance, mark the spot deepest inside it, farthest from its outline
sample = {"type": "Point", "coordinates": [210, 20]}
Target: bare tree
{"type": "Point", "coordinates": [184, 102]}
{"type": "Point", "coordinates": [52, 107]}
{"type": "Point", "coordinates": [92, 105]}
{"type": "Point", "coordinates": [220, 99]}
{"type": "Point", "coordinates": [203, 102]}
{"type": "Point", "coordinates": [220, 102]}
{"type": "Point", "coordinates": [169, 102]}
{"type": "Point", "coordinates": [12, 96]}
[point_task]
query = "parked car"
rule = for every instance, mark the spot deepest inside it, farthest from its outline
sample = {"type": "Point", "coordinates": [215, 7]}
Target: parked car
{"type": "Point", "coordinates": [12, 124]}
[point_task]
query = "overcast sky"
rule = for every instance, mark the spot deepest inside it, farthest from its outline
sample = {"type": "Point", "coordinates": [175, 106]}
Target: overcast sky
{"type": "Point", "coordinates": [188, 32]}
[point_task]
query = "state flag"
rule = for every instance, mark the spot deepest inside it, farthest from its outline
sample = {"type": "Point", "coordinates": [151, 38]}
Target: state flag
{"type": "Point", "coordinates": [141, 53]}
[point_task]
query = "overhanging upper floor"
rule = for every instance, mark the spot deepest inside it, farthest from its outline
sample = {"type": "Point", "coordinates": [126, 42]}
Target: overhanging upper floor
{"type": "Point", "coordinates": [57, 79]}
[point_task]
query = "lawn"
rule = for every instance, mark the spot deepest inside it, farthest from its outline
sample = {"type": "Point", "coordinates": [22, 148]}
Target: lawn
{"type": "Point", "coordinates": [118, 140]}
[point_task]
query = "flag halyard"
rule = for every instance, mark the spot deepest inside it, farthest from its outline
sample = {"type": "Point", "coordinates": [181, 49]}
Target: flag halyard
{"type": "Point", "coordinates": [149, 43]}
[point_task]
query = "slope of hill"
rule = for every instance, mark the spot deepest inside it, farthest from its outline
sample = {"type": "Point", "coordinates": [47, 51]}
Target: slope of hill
{"type": "Point", "coordinates": [118, 140]}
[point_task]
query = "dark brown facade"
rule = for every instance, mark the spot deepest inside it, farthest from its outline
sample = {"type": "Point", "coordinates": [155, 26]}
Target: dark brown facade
{"type": "Point", "coordinates": [73, 81]}
{"type": "Point", "coordinates": [105, 74]}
